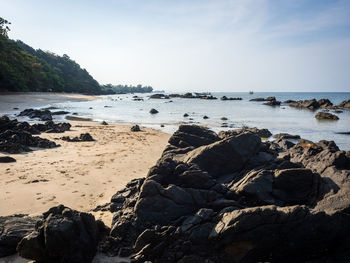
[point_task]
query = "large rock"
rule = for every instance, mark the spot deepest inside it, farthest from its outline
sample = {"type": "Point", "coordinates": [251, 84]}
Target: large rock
{"type": "Point", "coordinates": [43, 115]}
{"type": "Point", "coordinates": [326, 116]}
{"type": "Point", "coordinates": [262, 133]}
{"type": "Point", "coordinates": [63, 235]}
{"type": "Point", "coordinates": [12, 229]}
{"type": "Point", "coordinates": [345, 104]}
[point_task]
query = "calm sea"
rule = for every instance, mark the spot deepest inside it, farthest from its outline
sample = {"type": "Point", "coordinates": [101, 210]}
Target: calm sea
{"type": "Point", "coordinates": [123, 109]}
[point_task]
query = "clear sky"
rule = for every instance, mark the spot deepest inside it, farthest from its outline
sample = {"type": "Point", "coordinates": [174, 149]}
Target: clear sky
{"type": "Point", "coordinates": [203, 45]}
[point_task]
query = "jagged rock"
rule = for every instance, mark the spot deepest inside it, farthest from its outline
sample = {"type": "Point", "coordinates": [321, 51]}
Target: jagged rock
{"type": "Point", "coordinates": [44, 115]}
{"type": "Point", "coordinates": [262, 133]}
{"type": "Point", "coordinates": [63, 235]}
{"type": "Point", "coordinates": [51, 127]}
{"type": "Point", "coordinates": [272, 103]}
{"type": "Point", "coordinates": [326, 116]}
{"type": "Point", "coordinates": [84, 137]}
{"type": "Point", "coordinates": [135, 128]}
{"type": "Point", "coordinates": [12, 229]}
{"type": "Point", "coordinates": [311, 104]}
{"type": "Point", "coordinates": [345, 104]}
{"type": "Point", "coordinates": [153, 111]}
{"type": "Point", "coordinates": [209, 198]}
{"type": "Point", "coordinates": [7, 159]}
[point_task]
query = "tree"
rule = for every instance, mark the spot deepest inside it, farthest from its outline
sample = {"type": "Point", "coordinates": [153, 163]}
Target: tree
{"type": "Point", "coordinates": [4, 27]}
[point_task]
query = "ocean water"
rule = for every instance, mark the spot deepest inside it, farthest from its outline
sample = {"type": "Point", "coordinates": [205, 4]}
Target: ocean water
{"type": "Point", "coordinates": [122, 109]}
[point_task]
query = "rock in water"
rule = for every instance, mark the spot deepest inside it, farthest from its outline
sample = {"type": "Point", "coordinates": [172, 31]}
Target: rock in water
{"type": "Point", "coordinates": [63, 235]}
{"type": "Point", "coordinates": [153, 111]}
{"type": "Point", "coordinates": [345, 104]}
{"type": "Point", "coordinates": [44, 115]}
{"type": "Point", "coordinates": [326, 116]}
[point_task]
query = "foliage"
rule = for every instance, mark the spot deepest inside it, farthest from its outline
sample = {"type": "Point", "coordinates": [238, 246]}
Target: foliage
{"type": "Point", "coordinates": [4, 27]}
{"type": "Point", "coordinates": [109, 88]}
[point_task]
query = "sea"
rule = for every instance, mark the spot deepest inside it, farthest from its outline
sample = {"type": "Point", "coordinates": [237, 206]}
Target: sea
{"type": "Point", "coordinates": [122, 108]}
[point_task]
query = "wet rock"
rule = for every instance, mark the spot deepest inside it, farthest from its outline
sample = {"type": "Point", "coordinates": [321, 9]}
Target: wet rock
{"type": "Point", "coordinates": [63, 235]}
{"type": "Point", "coordinates": [326, 116]}
{"type": "Point", "coordinates": [7, 159]}
{"type": "Point", "coordinates": [153, 111]}
{"type": "Point", "coordinates": [257, 99]}
{"type": "Point", "coordinates": [229, 98]}
{"type": "Point", "coordinates": [286, 136]}
{"type": "Point", "coordinates": [135, 128]}
{"type": "Point", "coordinates": [311, 104]}
{"type": "Point", "coordinates": [345, 104]}
{"type": "Point", "coordinates": [43, 115]}
{"type": "Point", "coordinates": [104, 123]}
{"type": "Point", "coordinates": [12, 229]}
{"type": "Point", "coordinates": [223, 119]}
{"type": "Point", "coordinates": [159, 96]}
{"type": "Point", "coordinates": [205, 117]}
{"type": "Point", "coordinates": [186, 115]}
{"type": "Point", "coordinates": [272, 103]}
{"type": "Point", "coordinates": [60, 112]}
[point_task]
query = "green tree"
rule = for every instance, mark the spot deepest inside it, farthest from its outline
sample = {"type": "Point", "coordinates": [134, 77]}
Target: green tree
{"type": "Point", "coordinates": [4, 27]}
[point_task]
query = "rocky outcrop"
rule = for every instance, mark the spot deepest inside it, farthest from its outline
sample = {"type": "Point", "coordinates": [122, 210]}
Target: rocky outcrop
{"type": "Point", "coordinates": [273, 103]}
{"type": "Point", "coordinates": [230, 98]}
{"type": "Point", "coordinates": [271, 98]}
{"type": "Point", "coordinates": [43, 115]}
{"type": "Point", "coordinates": [12, 229]}
{"type": "Point", "coordinates": [63, 235]}
{"type": "Point", "coordinates": [326, 116]}
{"type": "Point", "coordinates": [159, 96]}
{"type": "Point", "coordinates": [312, 104]}
{"type": "Point", "coordinates": [233, 198]}
{"type": "Point", "coordinates": [345, 104]}
{"type": "Point", "coordinates": [262, 133]}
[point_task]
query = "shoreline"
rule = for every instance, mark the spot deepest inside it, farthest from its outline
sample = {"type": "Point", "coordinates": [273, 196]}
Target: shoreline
{"type": "Point", "coordinates": [81, 175]}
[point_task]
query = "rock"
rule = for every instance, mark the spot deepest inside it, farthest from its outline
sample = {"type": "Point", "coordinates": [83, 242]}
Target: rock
{"type": "Point", "coordinates": [135, 128]}
{"type": "Point", "coordinates": [84, 137]}
{"type": "Point", "coordinates": [60, 112]}
{"type": "Point", "coordinates": [343, 132]}
{"type": "Point", "coordinates": [325, 116]}
{"type": "Point", "coordinates": [159, 96]}
{"type": "Point", "coordinates": [262, 133]}
{"type": "Point", "coordinates": [273, 103]}
{"type": "Point", "coordinates": [63, 235]}
{"type": "Point", "coordinates": [223, 119]}
{"type": "Point", "coordinates": [228, 98]}
{"type": "Point", "coordinates": [43, 115]}
{"type": "Point", "coordinates": [51, 127]}
{"type": "Point", "coordinates": [153, 111]}
{"type": "Point", "coordinates": [7, 159]}
{"type": "Point", "coordinates": [311, 104]}
{"type": "Point", "coordinates": [186, 115]}
{"type": "Point", "coordinates": [12, 229]}
{"type": "Point", "coordinates": [205, 117]}
{"type": "Point", "coordinates": [288, 101]}
{"type": "Point", "coordinates": [286, 136]}
{"type": "Point", "coordinates": [344, 104]}
{"type": "Point", "coordinates": [104, 123]}
{"type": "Point", "coordinates": [257, 99]}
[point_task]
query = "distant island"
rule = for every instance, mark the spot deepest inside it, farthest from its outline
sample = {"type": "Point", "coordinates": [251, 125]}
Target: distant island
{"type": "Point", "coordinates": [23, 68]}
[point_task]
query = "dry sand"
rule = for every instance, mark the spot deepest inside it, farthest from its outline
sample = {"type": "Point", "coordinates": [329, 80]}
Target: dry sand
{"type": "Point", "coordinates": [80, 175]}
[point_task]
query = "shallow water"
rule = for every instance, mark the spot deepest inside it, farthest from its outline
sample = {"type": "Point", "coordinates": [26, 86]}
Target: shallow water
{"type": "Point", "coordinates": [122, 109]}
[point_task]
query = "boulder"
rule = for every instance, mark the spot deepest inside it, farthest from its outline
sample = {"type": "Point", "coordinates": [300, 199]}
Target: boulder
{"type": "Point", "coordinates": [12, 229]}
{"type": "Point", "coordinates": [153, 111]}
{"type": "Point", "coordinates": [135, 128]}
{"type": "Point", "coordinates": [272, 103]}
{"type": "Point", "coordinates": [262, 133]}
{"type": "Point", "coordinates": [7, 159]}
{"type": "Point", "coordinates": [63, 235]}
{"type": "Point", "coordinates": [326, 116]}
{"type": "Point", "coordinates": [43, 115]}
{"type": "Point", "coordinates": [84, 137]}
{"type": "Point", "coordinates": [344, 104]}
{"type": "Point", "coordinates": [286, 136]}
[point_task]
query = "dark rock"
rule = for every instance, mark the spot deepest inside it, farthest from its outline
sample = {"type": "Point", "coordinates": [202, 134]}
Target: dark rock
{"type": "Point", "coordinates": [325, 116]}
{"type": "Point", "coordinates": [262, 133]}
{"type": "Point", "coordinates": [63, 235]}
{"type": "Point", "coordinates": [104, 123]}
{"type": "Point", "coordinates": [205, 117]}
{"type": "Point", "coordinates": [186, 115]}
{"type": "Point", "coordinates": [12, 229]}
{"type": "Point", "coordinates": [224, 119]}
{"type": "Point", "coordinates": [60, 112]}
{"type": "Point", "coordinates": [159, 96]}
{"type": "Point", "coordinates": [257, 99]}
{"type": "Point", "coordinates": [135, 128]}
{"type": "Point", "coordinates": [44, 115]}
{"type": "Point", "coordinates": [288, 101]}
{"type": "Point", "coordinates": [153, 111]}
{"type": "Point", "coordinates": [286, 136]}
{"type": "Point", "coordinates": [228, 98]}
{"type": "Point", "coordinates": [343, 133]}
{"type": "Point", "coordinates": [84, 137]}
{"type": "Point", "coordinates": [272, 103]}
{"type": "Point", "coordinates": [311, 104]}
{"type": "Point", "coordinates": [7, 159]}
{"type": "Point", "coordinates": [51, 127]}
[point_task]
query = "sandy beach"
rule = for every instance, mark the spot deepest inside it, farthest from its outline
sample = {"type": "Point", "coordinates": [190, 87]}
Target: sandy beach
{"type": "Point", "coordinates": [80, 175]}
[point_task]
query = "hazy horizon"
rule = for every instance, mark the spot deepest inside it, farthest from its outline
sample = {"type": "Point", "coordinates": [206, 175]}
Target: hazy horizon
{"type": "Point", "coordinates": [222, 46]}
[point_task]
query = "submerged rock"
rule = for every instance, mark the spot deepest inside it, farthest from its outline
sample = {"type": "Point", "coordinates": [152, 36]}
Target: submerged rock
{"type": "Point", "coordinates": [345, 104]}
{"type": "Point", "coordinates": [326, 116]}
{"type": "Point", "coordinates": [153, 111]}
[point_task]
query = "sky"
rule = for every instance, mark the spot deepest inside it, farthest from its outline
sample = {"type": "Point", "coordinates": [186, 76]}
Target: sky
{"type": "Point", "coordinates": [195, 45]}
